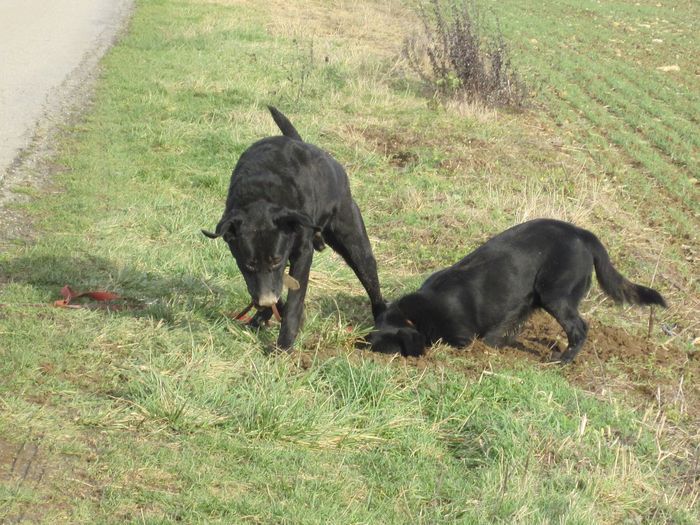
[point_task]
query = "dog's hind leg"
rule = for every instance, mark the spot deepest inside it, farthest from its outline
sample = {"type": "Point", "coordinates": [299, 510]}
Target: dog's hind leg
{"type": "Point", "coordinates": [347, 236]}
{"type": "Point", "coordinates": [559, 290]}
{"type": "Point", "coordinates": [575, 327]}
{"type": "Point", "coordinates": [299, 268]}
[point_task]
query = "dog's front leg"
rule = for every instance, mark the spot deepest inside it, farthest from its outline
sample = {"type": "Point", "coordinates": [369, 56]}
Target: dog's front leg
{"type": "Point", "coordinates": [299, 268]}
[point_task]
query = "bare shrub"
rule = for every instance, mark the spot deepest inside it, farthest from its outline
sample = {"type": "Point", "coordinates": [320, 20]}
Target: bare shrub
{"type": "Point", "coordinates": [457, 57]}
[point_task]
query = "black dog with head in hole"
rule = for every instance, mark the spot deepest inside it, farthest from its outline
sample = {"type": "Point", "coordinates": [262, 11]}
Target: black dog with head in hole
{"type": "Point", "coordinates": [286, 198]}
{"type": "Point", "coordinates": [489, 294]}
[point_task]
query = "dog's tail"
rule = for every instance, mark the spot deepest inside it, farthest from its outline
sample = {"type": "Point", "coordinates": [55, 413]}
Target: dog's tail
{"type": "Point", "coordinates": [613, 283]}
{"type": "Point", "coordinates": [283, 123]}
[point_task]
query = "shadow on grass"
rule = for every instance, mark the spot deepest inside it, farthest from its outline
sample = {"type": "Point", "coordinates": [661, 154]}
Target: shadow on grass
{"type": "Point", "coordinates": [147, 294]}
{"type": "Point", "coordinates": [354, 310]}
{"type": "Point", "coordinates": [157, 296]}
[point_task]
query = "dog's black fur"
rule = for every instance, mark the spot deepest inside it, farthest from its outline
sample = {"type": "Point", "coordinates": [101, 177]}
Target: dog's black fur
{"type": "Point", "coordinates": [286, 198]}
{"type": "Point", "coordinates": [538, 264]}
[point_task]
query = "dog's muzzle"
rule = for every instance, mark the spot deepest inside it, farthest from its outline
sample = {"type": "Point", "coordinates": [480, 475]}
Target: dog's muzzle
{"type": "Point", "coordinates": [267, 299]}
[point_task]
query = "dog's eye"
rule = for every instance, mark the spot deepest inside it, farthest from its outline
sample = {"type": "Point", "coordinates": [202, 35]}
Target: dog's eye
{"type": "Point", "coordinates": [250, 266]}
{"type": "Point", "coordinates": [275, 262]}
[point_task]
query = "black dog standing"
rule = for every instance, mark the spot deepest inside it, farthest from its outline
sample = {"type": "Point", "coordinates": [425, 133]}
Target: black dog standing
{"type": "Point", "coordinates": [285, 199]}
{"type": "Point", "coordinates": [489, 294]}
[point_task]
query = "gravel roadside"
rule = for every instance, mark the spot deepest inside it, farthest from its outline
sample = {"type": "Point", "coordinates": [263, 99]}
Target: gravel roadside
{"type": "Point", "coordinates": [49, 58]}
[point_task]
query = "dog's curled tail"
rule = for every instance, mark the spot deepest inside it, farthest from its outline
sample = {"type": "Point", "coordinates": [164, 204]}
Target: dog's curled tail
{"type": "Point", "coordinates": [283, 123]}
{"type": "Point", "coordinates": [613, 282]}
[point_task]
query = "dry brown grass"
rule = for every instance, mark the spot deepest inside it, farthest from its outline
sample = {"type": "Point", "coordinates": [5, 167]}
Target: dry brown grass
{"type": "Point", "coordinates": [473, 110]}
{"type": "Point", "coordinates": [362, 28]}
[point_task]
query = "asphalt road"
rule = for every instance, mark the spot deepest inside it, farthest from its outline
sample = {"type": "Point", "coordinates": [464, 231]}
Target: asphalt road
{"type": "Point", "coordinates": [44, 44]}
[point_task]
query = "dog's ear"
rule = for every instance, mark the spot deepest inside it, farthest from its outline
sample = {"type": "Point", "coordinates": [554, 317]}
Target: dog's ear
{"type": "Point", "coordinates": [413, 306]}
{"type": "Point", "coordinates": [290, 219]}
{"type": "Point", "coordinates": [227, 224]}
{"type": "Point", "coordinates": [211, 235]}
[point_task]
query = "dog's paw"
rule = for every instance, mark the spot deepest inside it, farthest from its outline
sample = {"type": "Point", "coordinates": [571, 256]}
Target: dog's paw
{"type": "Point", "coordinates": [562, 358]}
{"type": "Point", "coordinates": [274, 349]}
{"type": "Point", "coordinates": [362, 344]}
{"type": "Point", "coordinates": [566, 359]}
{"type": "Point", "coordinates": [260, 319]}
{"type": "Point", "coordinates": [413, 352]}
{"type": "Point", "coordinates": [318, 242]}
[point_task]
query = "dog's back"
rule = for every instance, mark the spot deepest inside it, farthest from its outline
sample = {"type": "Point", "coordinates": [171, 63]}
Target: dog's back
{"type": "Point", "coordinates": [522, 249]}
{"type": "Point", "coordinates": [287, 171]}
{"type": "Point", "coordinates": [544, 247]}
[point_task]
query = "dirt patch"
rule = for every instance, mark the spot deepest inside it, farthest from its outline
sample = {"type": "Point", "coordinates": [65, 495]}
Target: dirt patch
{"type": "Point", "coordinates": [22, 471]}
{"type": "Point", "coordinates": [39, 482]}
{"type": "Point", "coordinates": [462, 154]}
{"type": "Point", "coordinates": [20, 462]}
{"type": "Point", "coordinates": [610, 361]}
{"type": "Point", "coordinates": [398, 149]}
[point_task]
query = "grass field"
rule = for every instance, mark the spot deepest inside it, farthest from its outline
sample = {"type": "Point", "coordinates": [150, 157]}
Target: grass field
{"type": "Point", "coordinates": [168, 411]}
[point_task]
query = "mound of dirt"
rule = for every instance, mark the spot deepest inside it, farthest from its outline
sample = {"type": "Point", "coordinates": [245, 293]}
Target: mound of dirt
{"type": "Point", "coordinates": [610, 361]}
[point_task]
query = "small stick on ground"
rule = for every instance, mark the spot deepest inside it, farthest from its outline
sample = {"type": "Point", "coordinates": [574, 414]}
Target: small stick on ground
{"type": "Point", "coordinates": [651, 285]}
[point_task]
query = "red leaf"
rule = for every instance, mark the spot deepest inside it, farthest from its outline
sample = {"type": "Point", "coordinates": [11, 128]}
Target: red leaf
{"type": "Point", "coordinates": [67, 293]}
{"type": "Point", "coordinates": [101, 296]}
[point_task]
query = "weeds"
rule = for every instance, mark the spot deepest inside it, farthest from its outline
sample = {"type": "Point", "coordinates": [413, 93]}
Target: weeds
{"type": "Point", "coordinates": [301, 70]}
{"type": "Point", "coordinates": [457, 58]}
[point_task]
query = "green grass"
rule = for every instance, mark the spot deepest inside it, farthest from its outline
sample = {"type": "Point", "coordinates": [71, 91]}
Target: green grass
{"type": "Point", "coordinates": [171, 412]}
{"type": "Point", "coordinates": [639, 122]}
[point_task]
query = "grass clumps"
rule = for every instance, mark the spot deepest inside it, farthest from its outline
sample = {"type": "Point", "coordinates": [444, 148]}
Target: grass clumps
{"type": "Point", "coordinates": [457, 57]}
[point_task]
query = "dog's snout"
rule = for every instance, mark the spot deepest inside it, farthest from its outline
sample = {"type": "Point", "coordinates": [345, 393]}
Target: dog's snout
{"type": "Point", "coordinates": [267, 299]}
